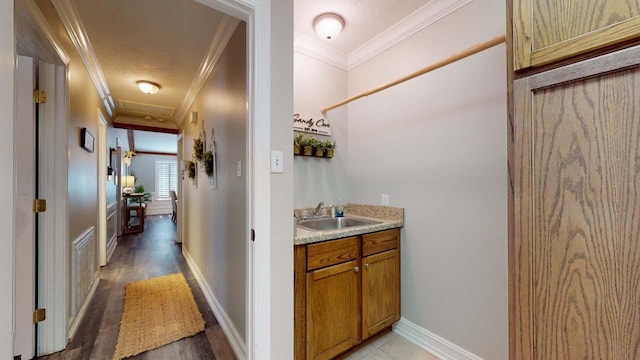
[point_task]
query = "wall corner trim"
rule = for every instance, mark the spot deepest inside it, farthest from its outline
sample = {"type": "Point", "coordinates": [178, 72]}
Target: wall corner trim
{"type": "Point", "coordinates": [223, 34]}
{"type": "Point", "coordinates": [43, 25]}
{"type": "Point", "coordinates": [80, 39]}
{"type": "Point", "coordinates": [426, 15]}
{"type": "Point", "coordinates": [311, 47]}
{"type": "Point", "coordinates": [431, 342]}
{"type": "Point", "coordinates": [230, 331]}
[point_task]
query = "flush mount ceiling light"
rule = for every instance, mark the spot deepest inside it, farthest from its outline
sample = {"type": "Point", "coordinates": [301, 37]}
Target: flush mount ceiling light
{"type": "Point", "coordinates": [148, 87]}
{"type": "Point", "coordinates": [328, 25]}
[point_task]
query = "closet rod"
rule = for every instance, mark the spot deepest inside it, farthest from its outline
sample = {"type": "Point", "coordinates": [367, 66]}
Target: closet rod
{"type": "Point", "coordinates": [466, 53]}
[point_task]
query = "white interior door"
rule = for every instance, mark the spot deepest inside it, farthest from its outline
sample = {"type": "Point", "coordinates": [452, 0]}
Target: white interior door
{"type": "Point", "coordinates": [25, 220]}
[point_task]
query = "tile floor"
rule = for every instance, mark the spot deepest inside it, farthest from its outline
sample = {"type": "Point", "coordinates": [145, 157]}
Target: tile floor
{"type": "Point", "coordinates": [391, 347]}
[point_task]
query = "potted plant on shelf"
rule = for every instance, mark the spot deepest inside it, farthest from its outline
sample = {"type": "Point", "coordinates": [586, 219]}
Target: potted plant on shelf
{"type": "Point", "coordinates": [329, 147]}
{"type": "Point", "coordinates": [297, 141]}
{"type": "Point", "coordinates": [307, 145]}
{"type": "Point", "coordinates": [318, 146]}
{"type": "Point", "coordinates": [146, 197]}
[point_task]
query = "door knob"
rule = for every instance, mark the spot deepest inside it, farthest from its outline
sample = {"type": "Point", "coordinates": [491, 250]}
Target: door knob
{"type": "Point", "coordinates": [356, 269]}
{"type": "Point", "coordinates": [366, 266]}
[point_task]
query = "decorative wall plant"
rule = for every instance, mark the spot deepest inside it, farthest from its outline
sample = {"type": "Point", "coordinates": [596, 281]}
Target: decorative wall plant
{"type": "Point", "coordinates": [208, 163]}
{"type": "Point", "coordinates": [198, 148]}
{"type": "Point", "coordinates": [191, 169]}
{"type": "Point", "coordinates": [211, 162]}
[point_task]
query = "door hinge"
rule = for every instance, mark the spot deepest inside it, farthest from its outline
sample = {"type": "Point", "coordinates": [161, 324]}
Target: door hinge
{"type": "Point", "coordinates": [253, 235]}
{"type": "Point", "coordinates": [39, 205]}
{"type": "Point", "coordinates": [39, 96]}
{"type": "Point", "coordinates": [39, 315]}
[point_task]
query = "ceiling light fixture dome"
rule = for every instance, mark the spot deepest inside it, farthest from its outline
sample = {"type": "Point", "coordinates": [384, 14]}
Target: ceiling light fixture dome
{"type": "Point", "coordinates": [328, 25]}
{"type": "Point", "coordinates": [148, 87]}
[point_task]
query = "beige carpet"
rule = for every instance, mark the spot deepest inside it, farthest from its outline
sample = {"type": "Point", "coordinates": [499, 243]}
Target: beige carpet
{"type": "Point", "coordinates": [156, 312]}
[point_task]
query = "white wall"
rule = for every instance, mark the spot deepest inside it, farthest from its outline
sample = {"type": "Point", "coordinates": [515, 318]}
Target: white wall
{"type": "Point", "coordinates": [214, 220]}
{"type": "Point", "coordinates": [7, 64]}
{"type": "Point", "coordinates": [281, 226]}
{"type": "Point", "coordinates": [317, 85]}
{"type": "Point", "coordinates": [437, 145]}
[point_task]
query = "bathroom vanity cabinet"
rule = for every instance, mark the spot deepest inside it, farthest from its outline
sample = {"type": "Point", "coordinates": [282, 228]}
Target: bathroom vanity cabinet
{"type": "Point", "coordinates": [346, 291]}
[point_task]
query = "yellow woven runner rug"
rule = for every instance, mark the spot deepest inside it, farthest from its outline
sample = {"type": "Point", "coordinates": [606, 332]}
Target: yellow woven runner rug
{"type": "Point", "coordinates": [156, 312]}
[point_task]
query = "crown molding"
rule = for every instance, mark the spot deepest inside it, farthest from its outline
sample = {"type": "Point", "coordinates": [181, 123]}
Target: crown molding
{"type": "Point", "coordinates": [78, 34]}
{"type": "Point", "coordinates": [38, 24]}
{"type": "Point", "coordinates": [309, 46]}
{"type": "Point", "coordinates": [221, 38]}
{"type": "Point", "coordinates": [426, 15]}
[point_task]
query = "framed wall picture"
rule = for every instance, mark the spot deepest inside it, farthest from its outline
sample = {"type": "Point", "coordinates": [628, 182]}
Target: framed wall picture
{"type": "Point", "coordinates": [87, 141]}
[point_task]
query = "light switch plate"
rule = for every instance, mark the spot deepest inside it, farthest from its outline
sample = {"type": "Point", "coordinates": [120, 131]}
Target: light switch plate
{"type": "Point", "coordinates": [239, 168]}
{"type": "Point", "coordinates": [385, 199]}
{"type": "Point", "coordinates": [277, 165]}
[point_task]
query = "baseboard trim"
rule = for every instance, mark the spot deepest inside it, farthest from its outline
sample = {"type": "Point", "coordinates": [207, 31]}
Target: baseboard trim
{"type": "Point", "coordinates": [230, 331]}
{"type": "Point", "coordinates": [442, 348]}
{"type": "Point", "coordinates": [76, 321]}
{"type": "Point", "coordinates": [111, 246]}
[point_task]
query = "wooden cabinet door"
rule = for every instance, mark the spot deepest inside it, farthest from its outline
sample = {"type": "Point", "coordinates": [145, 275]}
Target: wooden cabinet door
{"type": "Point", "coordinates": [546, 31]}
{"type": "Point", "coordinates": [576, 245]}
{"type": "Point", "coordinates": [380, 291]}
{"type": "Point", "coordinates": [332, 310]}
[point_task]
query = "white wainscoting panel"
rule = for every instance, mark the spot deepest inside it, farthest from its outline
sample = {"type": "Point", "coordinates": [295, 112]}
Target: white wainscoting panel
{"type": "Point", "coordinates": [83, 269]}
{"type": "Point", "coordinates": [112, 235]}
{"type": "Point", "coordinates": [442, 348]}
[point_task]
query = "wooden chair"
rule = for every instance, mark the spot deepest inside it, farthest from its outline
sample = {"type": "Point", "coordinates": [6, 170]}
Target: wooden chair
{"type": "Point", "coordinates": [174, 205]}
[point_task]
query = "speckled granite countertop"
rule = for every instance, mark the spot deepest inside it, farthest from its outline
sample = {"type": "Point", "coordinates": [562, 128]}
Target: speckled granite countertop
{"type": "Point", "coordinates": [389, 218]}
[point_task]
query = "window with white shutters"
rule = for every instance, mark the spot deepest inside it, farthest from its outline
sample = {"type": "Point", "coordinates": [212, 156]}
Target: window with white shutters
{"type": "Point", "coordinates": [166, 178]}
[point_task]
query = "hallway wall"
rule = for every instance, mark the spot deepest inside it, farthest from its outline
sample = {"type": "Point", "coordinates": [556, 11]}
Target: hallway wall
{"type": "Point", "coordinates": [215, 229]}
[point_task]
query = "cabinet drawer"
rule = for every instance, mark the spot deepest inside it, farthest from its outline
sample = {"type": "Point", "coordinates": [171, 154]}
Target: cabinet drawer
{"type": "Point", "coordinates": [331, 252]}
{"type": "Point", "coordinates": [380, 241]}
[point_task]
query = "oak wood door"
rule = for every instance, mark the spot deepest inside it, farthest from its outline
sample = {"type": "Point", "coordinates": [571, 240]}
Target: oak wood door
{"type": "Point", "coordinates": [576, 245]}
{"type": "Point", "coordinates": [380, 291]}
{"type": "Point", "coordinates": [549, 31]}
{"type": "Point", "coordinates": [332, 310]}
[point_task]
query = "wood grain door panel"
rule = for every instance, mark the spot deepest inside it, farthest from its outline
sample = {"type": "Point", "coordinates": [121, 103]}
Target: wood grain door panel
{"type": "Point", "coordinates": [576, 277]}
{"type": "Point", "coordinates": [550, 31]}
{"type": "Point", "coordinates": [380, 291]}
{"type": "Point", "coordinates": [332, 310]}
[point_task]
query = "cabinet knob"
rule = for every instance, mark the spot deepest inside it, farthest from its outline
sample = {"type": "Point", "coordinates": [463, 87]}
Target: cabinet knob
{"type": "Point", "coordinates": [366, 266]}
{"type": "Point", "coordinates": [356, 269]}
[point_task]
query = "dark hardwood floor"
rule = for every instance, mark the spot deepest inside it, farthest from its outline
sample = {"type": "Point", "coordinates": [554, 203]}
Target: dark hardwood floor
{"type": "Point", "coordinates": [151, 253]}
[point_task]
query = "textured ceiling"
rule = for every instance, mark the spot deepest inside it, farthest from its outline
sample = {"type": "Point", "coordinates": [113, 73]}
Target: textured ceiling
{"type": "Point", "coordinates": [166, 40]}
{"type": "Point", "coordinates": [364, 19]}
{"type": "Point", "coordinates": [163, 41]}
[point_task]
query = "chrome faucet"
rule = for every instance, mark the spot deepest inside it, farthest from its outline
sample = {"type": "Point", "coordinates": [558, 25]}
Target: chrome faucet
{"type": "Point", "coordinates": [315, 212]}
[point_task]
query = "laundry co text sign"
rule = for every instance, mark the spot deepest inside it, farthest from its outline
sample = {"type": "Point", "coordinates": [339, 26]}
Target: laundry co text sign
{"type": "Point", "coordinates": [311, 125]}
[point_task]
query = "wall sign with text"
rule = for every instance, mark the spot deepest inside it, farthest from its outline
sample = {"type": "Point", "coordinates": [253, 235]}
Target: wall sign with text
{"type": "Point", "coordinates": [311, 125]}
